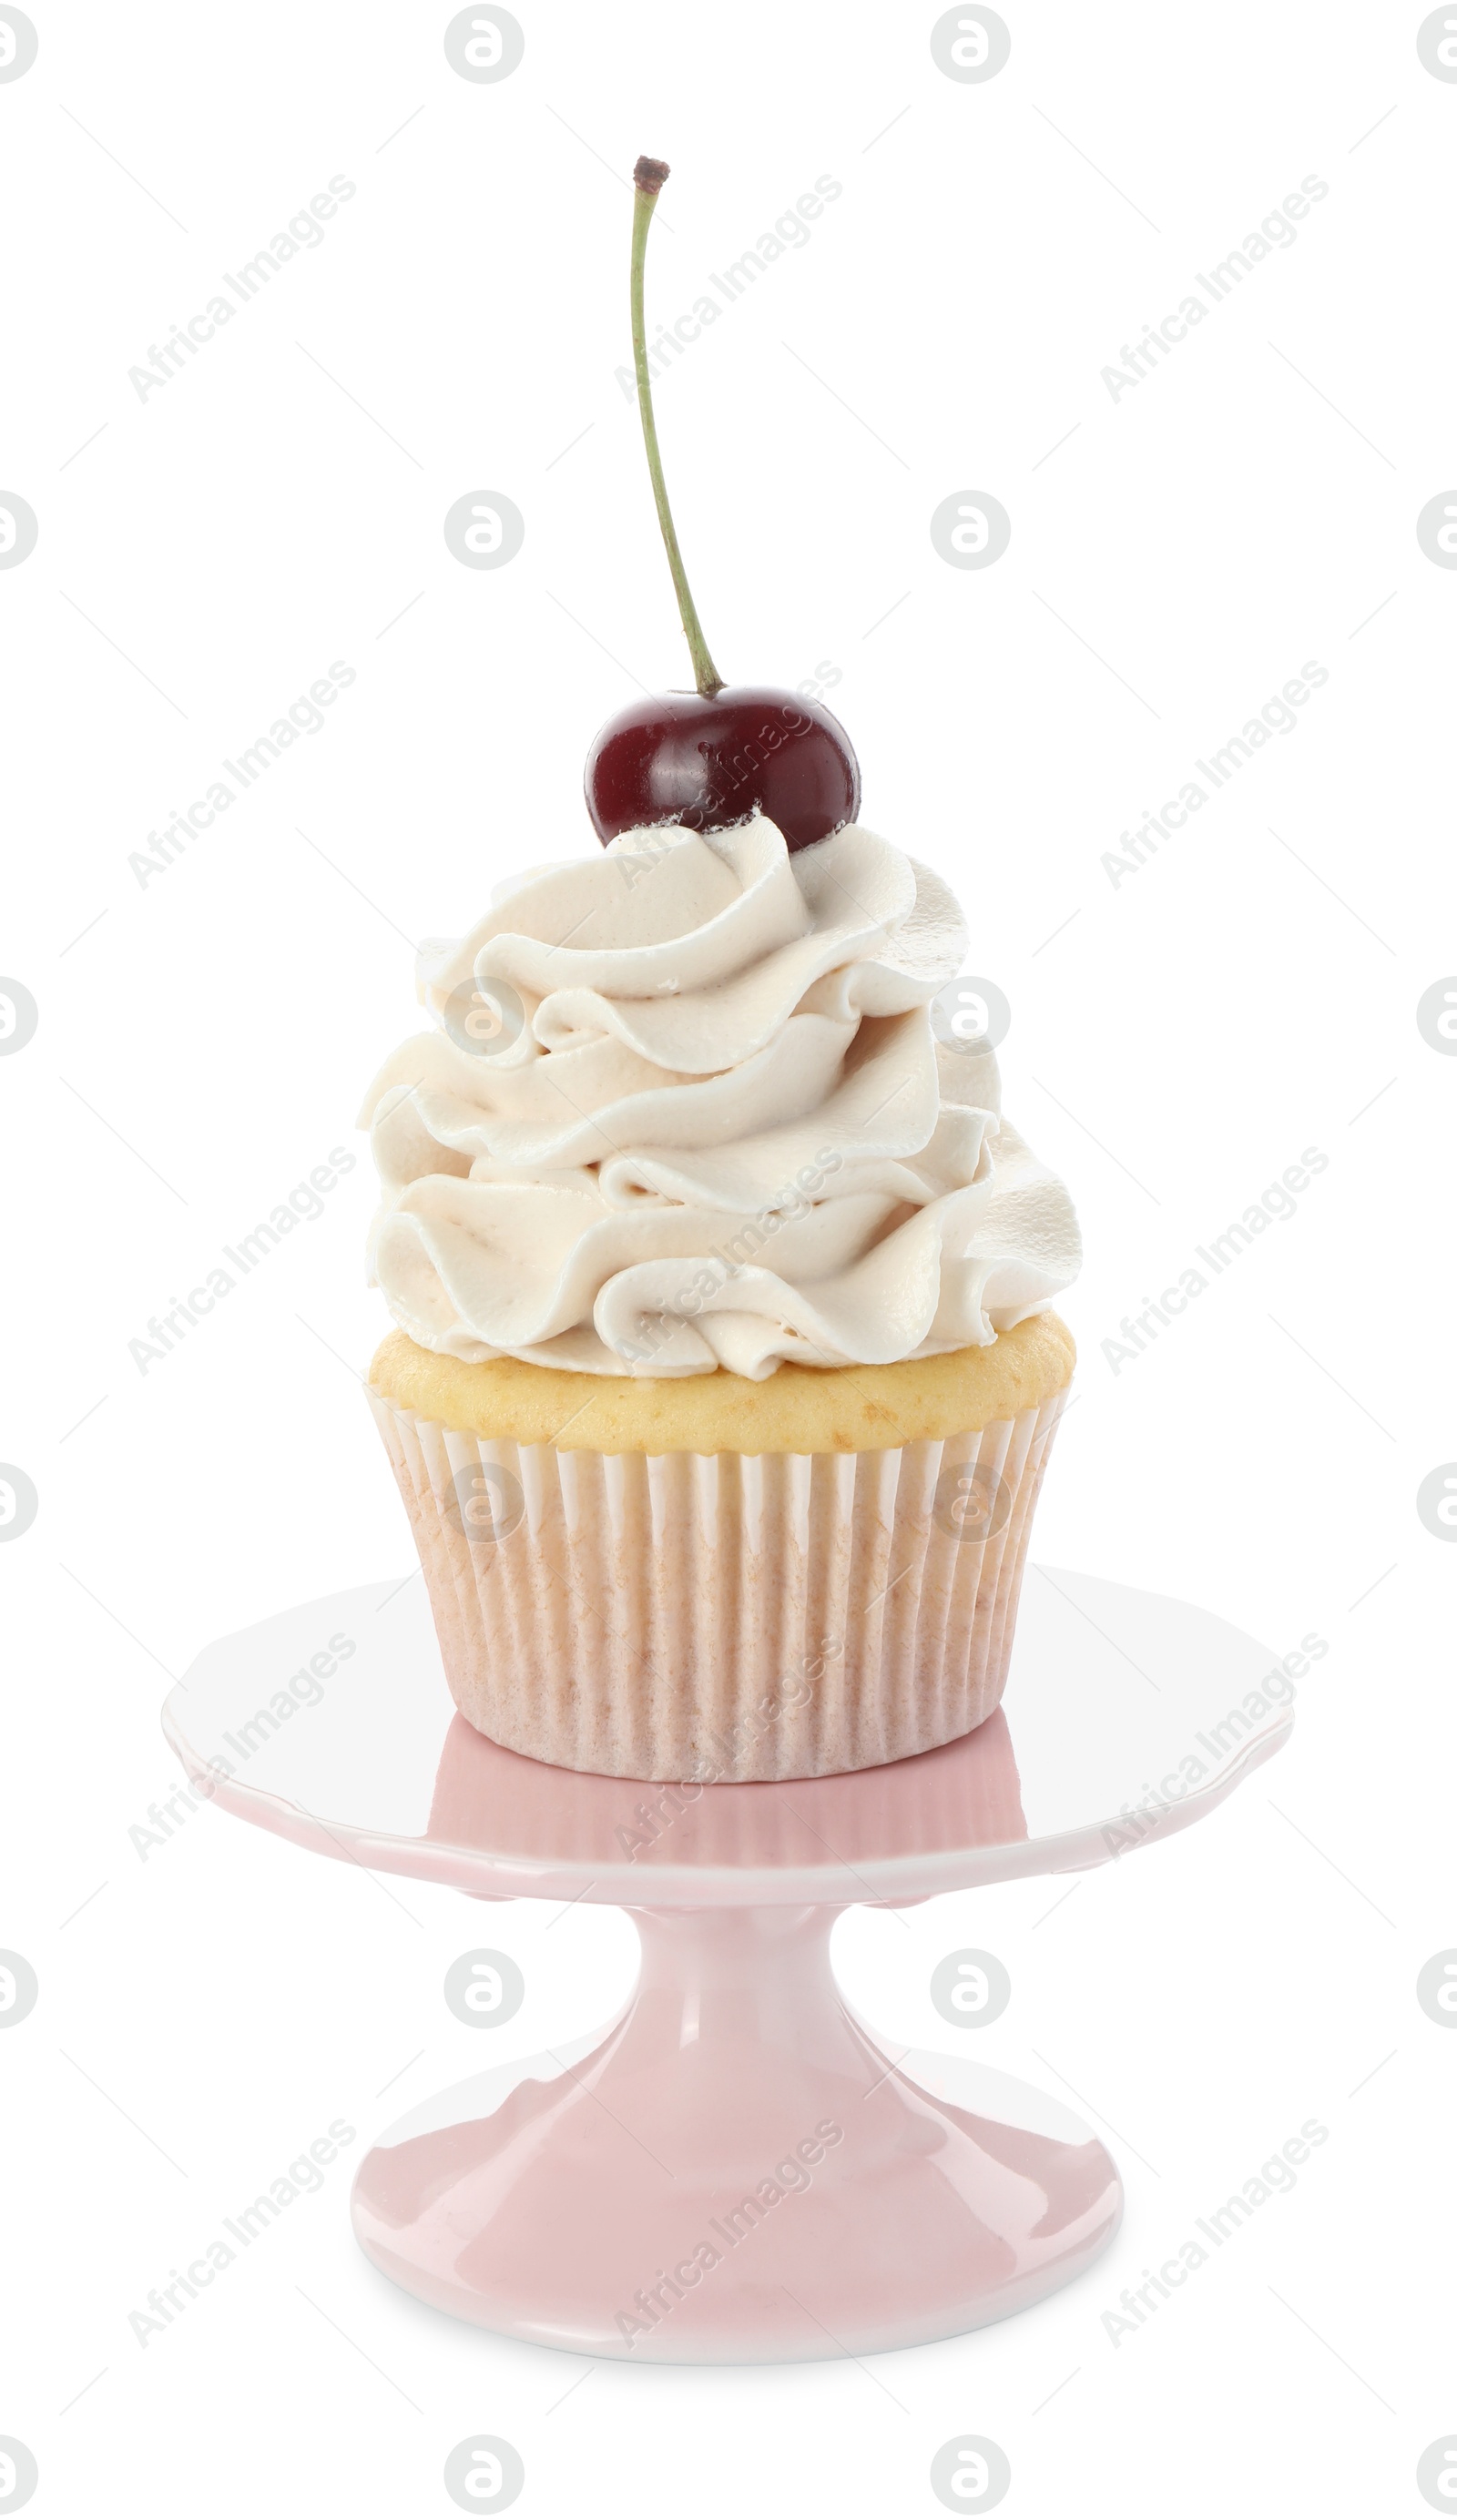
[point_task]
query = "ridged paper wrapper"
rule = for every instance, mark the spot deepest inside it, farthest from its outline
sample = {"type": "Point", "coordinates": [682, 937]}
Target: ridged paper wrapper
{"type": "Point", "coordinates": [722, 1617]}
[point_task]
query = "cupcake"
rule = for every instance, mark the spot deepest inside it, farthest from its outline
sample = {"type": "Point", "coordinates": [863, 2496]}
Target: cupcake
{"type": "Point", "coordinates": [724, 1379]}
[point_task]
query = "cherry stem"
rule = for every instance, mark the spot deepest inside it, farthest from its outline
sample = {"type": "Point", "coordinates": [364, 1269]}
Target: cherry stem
{"type": "Point", "coordinates": [649, 176]}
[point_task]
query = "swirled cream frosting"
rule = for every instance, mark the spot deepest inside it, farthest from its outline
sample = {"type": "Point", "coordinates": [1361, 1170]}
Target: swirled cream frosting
{"type": "Point", "coordinates": [683, 1107]}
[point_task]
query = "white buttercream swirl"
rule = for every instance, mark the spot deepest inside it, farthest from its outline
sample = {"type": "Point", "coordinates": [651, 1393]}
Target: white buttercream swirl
{"type": "Point", "coordinates": [714, 1126]}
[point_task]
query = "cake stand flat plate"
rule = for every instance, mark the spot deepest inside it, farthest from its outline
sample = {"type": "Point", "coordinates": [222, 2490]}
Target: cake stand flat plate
{"type": "Point", "coordinates": [1126, 1716]}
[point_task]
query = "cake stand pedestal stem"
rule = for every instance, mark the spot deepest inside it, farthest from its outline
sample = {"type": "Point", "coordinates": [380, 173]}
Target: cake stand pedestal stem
{"type": "Point", "coordinates": [736, 2174]}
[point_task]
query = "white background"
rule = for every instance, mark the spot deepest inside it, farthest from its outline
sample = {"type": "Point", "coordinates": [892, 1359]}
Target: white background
{"type": "Point", "coordinates": [1178, 1039]}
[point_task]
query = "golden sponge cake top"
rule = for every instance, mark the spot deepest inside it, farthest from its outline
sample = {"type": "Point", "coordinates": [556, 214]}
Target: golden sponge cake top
{"type": "Point", "coordinates": [799, 1408]}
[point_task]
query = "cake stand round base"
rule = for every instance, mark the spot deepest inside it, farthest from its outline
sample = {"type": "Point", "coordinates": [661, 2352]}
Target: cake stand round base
{"type": "Point", "coordinates": [736, 2174]}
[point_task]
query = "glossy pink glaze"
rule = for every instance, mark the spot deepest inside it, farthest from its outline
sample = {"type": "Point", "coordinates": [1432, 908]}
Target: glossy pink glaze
{"type": "Point", "coordinates": [964, 1796]}
{"type": "Point", "coordinates": [544, 2211]}
{"type": "Point", "coordinates": [572, 2216]}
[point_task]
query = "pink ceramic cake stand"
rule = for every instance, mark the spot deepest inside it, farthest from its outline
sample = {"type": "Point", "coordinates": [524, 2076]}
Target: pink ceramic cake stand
{"type": "Point", "coordinates": [736, 2171]}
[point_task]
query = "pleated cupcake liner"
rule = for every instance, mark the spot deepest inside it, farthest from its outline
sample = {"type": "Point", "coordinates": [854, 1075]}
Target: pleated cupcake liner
{"type": "Point", "coordinates": [722, 1618]}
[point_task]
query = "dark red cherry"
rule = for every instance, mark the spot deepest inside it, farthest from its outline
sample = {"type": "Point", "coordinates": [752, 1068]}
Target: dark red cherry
{"type": "Point", "coordinates": [679, 757]}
